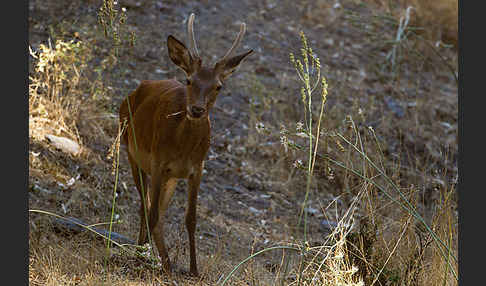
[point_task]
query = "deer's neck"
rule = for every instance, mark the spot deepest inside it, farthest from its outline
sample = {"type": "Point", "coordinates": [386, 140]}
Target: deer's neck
{"type": "Point", "coordinates": [183, 130]}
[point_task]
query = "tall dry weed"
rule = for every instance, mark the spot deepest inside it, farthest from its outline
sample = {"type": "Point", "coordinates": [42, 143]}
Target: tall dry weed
{"type": "Point", "coordinates": [56, 87]}
{"type": "Point", "coordinates": [437, 19]}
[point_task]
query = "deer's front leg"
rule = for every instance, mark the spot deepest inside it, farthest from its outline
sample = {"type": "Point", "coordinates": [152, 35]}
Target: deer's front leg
{"type": "Point", "coordinates": [193, 189]}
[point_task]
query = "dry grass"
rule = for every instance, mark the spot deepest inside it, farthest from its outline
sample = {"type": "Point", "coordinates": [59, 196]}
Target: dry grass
{"type": "Point", "coordinates": [441, 17]}
{"type": "Point", "coordinates": [53, 89]}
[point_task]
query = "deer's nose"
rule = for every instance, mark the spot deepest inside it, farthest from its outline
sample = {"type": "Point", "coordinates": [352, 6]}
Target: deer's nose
{"type": "Point", "coordinates": [197, 111]}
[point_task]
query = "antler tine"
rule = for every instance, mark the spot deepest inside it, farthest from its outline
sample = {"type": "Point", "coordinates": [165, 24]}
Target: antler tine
{"type": "Point", "coordinates": [236, 42]}
{"type": "Point", "coordinates": [190, 34]}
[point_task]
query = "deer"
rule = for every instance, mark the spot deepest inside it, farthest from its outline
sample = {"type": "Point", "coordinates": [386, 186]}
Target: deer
{"type": "Point", "coordinates": [168, 133]}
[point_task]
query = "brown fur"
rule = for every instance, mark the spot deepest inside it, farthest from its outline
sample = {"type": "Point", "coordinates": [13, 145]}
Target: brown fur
{"type": "Point", "coordinates": [168, 137]}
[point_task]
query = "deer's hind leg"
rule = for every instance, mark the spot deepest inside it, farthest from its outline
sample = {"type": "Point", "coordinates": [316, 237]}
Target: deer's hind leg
{"type": "Point", "coordinates": [140, 178]}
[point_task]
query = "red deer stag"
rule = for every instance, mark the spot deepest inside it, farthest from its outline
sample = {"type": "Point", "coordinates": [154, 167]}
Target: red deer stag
{"type": "Point", "coordinates": [168, 134]}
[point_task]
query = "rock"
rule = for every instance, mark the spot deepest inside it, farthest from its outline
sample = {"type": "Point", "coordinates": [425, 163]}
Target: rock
{"type": "Point", "coordinates": [327, 224]}
{"type": "Point", "coordinates": [159, 71]}
{"type": "Point", "coordinates": [74, 226]}
{"type": "Point", "coordinates": [255, 211]}
{"type": "Point", "coordinates": [163, 7]}
{"type": "Point", "coordinates": [311, 211]}
{"type": "Point", "coordinates": [152, 55]}
{"type": "Point", "coordinates": [394, 106]}
{"type": "Point", "coordinates": [64, 144]}
{"type": "Point", "coordinates": [262, 70]}
{"type": "Point", "coordinates": [69, 224]}
{"type": "Point", "coordinates": [235, 189]}
{"type": "Point", "coordinates": [131, 4]}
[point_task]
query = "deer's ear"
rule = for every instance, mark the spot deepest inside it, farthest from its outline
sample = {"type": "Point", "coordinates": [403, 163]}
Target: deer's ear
{"type": "Point", "coordinates": [226, 68]}
{"type": "Point", "coordinates": [180, 55]}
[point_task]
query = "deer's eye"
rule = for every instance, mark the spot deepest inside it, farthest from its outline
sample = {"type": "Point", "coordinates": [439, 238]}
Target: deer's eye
{"type": "Point", "coordinates": [218, 88]}
{"type": "Point", "coordinates": [188, 82]}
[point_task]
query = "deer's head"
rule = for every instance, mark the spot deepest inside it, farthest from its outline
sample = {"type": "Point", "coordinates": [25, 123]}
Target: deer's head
{"type": "Point", "coordinates": [203, 82]}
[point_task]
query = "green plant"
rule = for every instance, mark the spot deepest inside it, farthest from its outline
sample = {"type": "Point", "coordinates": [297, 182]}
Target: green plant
{"type": "Point", "coordinates": [309, 74]}
{"type": "Point", "coordinates": [308, 69]}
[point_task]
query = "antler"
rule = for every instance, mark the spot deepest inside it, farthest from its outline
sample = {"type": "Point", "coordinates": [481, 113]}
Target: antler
{"type": "Point", "coordinates": [190, 34]}
{"type": "Point", "coordinates": [236, 42]}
